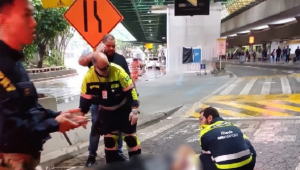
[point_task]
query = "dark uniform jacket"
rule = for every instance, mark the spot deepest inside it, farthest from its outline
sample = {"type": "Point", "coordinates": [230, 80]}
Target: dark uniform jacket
{"type": "Point", "coordinates": [117, 59]}
{"type": "Point", "coordinates": [226, 143]}
{"type": "Point", "coordinates": [24, 124]}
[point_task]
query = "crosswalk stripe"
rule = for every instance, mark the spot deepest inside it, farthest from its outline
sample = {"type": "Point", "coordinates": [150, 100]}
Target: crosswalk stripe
{"type": "Point", "coordinates": [222, 111]}
{"type": "Point", "coordinates": [255, 109]}
{"type": "Point", "coordinates": [231, 87]}
{"type": "Point", "coordinates": [248, 87]}
{"type": "Point", "coordinates": [280, 106]}
{"type": "Point", "coordinates": [267, 86]}
{"type": "Point", "coordinates": [286, 88]}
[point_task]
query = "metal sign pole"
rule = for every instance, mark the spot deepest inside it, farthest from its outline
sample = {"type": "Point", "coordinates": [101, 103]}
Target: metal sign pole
{"type": "Point", "coordinates": [220, 62]}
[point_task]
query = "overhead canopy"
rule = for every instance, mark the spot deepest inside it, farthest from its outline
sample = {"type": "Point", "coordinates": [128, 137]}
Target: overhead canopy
{"type": "Point", "coordinates": [152, 27]}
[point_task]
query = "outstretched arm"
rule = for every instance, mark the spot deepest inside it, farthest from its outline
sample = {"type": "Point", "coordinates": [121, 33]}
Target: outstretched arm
{"type": "Point", "coordinates": [85, 59]}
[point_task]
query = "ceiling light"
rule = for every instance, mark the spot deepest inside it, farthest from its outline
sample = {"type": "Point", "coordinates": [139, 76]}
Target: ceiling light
{"type": "Point", "coordinates": [163, 38]}
{"type": "Point", "coordinates": [283, 21]}
{"type": "Point", "coordinates": [244, 32]}
{"type": "Point", "coordinates": [150, 29]}
{"type": "Point", "coordinates": [159, 11]}
{"type": "Point", "coordinates": [260, 27]}
{"type": "Point", "coordinates": [233, 35]}
{"type": "Point", "coordinates": [149, 12]}
{"type": "Point", "coordinates": [149, 20]}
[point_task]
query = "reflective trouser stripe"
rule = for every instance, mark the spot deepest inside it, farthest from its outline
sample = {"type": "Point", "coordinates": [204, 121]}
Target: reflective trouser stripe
{"type": "Point", "coordinates": [232, 156]}
{"type": "Point", "coordinates": [235, 165]}
{"type": "Point", "coordinates": [114, 107]}
{"type": "Point", "coordinates": [206, 152]}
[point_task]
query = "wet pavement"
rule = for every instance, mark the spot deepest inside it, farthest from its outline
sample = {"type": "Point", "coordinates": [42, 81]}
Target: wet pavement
{"type": "Point", "coordinates": [257, 96]}
{"type": "Point", "coordinates": [275, 141]}
{"type": "Point", "coordinates": [66, 89]}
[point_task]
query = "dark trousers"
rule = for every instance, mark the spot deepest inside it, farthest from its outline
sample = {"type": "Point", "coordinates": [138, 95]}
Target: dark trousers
{"type": "Point", "coordinates": [277, 58]}
{"type": "Point", "coordinates": [94, 138]}
{"type": "Point", "coordinates": [287, 58]}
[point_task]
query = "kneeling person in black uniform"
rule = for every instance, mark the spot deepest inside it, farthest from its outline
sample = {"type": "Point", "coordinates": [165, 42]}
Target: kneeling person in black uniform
{"type": "Point", "coordinates": [118, 105]}
{"type": "Point", "coordinates": [224, 146]}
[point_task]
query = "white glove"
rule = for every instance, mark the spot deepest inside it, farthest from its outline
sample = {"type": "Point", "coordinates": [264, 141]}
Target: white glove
{"type": "Point", "coordinates": [133, 116]}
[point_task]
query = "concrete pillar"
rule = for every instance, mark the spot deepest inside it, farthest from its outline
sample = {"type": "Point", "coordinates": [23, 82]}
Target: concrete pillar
{"type": "Point", "coordinates": [196, 31]}
{"type": "Point", "coordinates": [251, 48]}
{"type": "Point", "coordinates": [251, 52]}
{"type": "Point", "coordinates": [274, 45]}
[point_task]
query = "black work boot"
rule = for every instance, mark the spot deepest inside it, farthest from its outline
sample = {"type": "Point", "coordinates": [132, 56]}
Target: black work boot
{"type": "Point", "coordinates": [90, 161]}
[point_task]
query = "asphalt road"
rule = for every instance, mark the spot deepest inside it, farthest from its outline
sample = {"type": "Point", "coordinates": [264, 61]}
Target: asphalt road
{"type": "Point", "coordinates": [257, 91]}
{"type": "Point", "coordinates": [262, 69]}
{"type": "Point", "coordinates": [157, 95]}
{"type": "Point", "coordinates": [275, 140]}
{"type": "Point", "coordinates": [244, 71]}
{"type": "Point", "coordinates": [171, 91]}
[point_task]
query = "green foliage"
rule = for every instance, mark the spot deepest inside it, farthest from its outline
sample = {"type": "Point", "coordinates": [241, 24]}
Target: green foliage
{"type": "Point", "coordinates": [28, 51]}
{"type": "Point", "coordinates": [50, 23]}
{"type": "Point", "coordinates": [55, 59]}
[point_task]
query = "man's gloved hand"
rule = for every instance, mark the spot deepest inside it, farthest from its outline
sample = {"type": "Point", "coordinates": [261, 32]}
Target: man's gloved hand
{"type": "Point", "coordinates": [133, 116]}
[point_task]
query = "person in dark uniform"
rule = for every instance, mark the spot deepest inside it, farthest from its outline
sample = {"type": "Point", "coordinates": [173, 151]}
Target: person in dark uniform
{"type": "Point", "coordinates": [24, 124]}
{"type": "Point", "coordinates": [108, 47]}
{"type": "Point", "coordinates": [224, 146]}
{"type": "Point", "coordinates": [118, 103]}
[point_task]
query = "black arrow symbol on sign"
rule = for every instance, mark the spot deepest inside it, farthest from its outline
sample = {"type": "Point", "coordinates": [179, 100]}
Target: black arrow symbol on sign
{"type": "Point", "coordinates": [95, 15]}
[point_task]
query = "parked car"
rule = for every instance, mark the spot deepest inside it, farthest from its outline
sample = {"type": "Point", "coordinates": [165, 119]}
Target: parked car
{"type": "Point", "coordinates": [153, 62]}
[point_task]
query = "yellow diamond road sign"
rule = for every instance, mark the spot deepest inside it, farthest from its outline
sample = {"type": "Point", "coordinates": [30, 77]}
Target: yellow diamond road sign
{"type": "Point", "coordinates": [56, 3]}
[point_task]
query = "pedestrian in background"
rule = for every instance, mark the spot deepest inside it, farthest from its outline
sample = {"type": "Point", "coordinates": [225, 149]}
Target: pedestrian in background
{"type": "Point", "coordinates": [254, 56]}
{"type": "Point", "coordinates": [284, 53]}
{"type": "Point", "coordinates": [273, 56]}
{"type": "Point", "coordinates": [24, 124]}
{"type": "Point", "coordinates": [264, 54]}
{"type": "Point", "coordinates": [278, 54]}
{"type": "Point", "coordinates": [288, 53]}
{"type": "Point", "coordinates": [297, 53]}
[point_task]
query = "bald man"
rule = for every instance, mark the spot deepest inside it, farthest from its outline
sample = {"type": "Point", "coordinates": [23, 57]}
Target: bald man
{"type": "Point", "coordinates": [108, 46]}
{"type": "Point", "coordinates": [118, 100]}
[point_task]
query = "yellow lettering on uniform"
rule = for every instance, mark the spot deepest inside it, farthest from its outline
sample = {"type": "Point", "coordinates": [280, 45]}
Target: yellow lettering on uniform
{"type": "Point", "coordinates": [11, 87]}
{"type": "Point", "coordinates": [1, 75]}
{"type": "Point", "coordinates": [5, 82]}
{"type": "Point", "coordinates": [94, 86]}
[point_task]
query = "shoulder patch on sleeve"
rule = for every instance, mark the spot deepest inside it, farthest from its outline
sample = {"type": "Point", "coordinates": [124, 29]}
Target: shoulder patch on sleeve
{"type": "Point", "coordinates": [127, 78]}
